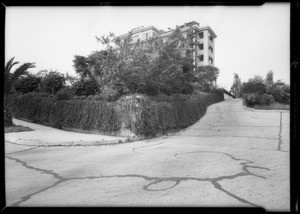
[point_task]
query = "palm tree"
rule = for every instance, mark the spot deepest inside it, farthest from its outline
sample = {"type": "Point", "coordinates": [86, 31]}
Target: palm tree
{"type": "Point", "coordinates": [9, 82]}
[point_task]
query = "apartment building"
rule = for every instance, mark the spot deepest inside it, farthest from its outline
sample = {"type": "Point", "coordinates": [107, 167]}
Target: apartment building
{"type": "Point", "coordinates": [204, 50]}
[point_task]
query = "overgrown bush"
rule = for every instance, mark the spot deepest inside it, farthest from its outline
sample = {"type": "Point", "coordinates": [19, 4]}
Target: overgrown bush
{"type": "Point", "coordinates": [138, 113]}
{"type": "Point", "coordinates": [85, 87]}
{"type": "Point", "coordinates": [109, 94]}
{"type": "Point", "coordinates": [64, 94]}
{"type": "Point", "coordinates": [28, 83]}
{"type": "Point", "coordinates": [249, 99]}
{"type": "Point", "coordinates": [252, 99]}
{"type": "Point", "coordinates": [255, 85]}
{"type": "Point", "coordinates": [266, 99]}
{"type": "Point", "coordinates": [281, 93]}
{"type": "Point", "coordinates": [52, 82]}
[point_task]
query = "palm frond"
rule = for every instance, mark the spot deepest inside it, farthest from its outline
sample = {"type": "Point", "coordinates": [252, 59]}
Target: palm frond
{"type": "Point", "coordinates": [9, 65]}
{"type": "Point", "coordinates": [20, 71]}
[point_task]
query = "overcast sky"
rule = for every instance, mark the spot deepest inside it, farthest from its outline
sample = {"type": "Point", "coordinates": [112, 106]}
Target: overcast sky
{"type": "Point", "coordinates": [250, 40]}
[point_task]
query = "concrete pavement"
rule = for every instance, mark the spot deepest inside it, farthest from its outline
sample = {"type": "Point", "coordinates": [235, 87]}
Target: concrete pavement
{"type": "Point", "coordinates": [48, 136]}
{"type": "Point", "coordinates": [233, 156]}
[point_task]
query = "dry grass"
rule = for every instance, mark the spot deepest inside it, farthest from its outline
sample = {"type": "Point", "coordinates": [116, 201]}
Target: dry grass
{"type": "Point", "coordinates": [273, 106]}
{"type": "Point", "coordinates": [15, 128]}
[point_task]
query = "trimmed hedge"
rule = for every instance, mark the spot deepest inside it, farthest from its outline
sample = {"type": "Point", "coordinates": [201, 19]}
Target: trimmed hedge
{"type": "Point", "coordinates": [78, 114]}
{"type": "Point", "coordinates": [138, 113]}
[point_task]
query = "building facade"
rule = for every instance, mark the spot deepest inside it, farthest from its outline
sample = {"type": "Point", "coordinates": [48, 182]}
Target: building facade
{"type": "Point", "coordinates": [203, 51]}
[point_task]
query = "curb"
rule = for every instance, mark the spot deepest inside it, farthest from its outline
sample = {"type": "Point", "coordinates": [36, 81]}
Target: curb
{"type": "Point", "coordinates": [69, 144]}
{"type": "Point", "coordinates": [263, 110]}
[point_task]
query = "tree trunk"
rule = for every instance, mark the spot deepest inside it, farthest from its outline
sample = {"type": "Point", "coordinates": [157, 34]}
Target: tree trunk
{"type": "Point", "coordinates": [7, 114]}
{"type": "Point", "coordinates": [7, 117]}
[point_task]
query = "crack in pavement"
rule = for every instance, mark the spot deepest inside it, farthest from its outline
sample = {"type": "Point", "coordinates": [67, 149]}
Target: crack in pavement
{"type": "Point", "coordinates": [279, 135]}
{"type": "Point", "coordinates": [155, 180]}
{"type": "Point", "coordinates": [49, 172]}
{"type": "Point", "coordinates": [246, 172]}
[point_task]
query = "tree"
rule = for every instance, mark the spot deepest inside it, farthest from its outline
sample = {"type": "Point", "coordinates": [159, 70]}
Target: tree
{"type": "Point", "coordinates": [81, 66]}
{"type": "Point", "coordinates": [236, 86]}
{"type": "Point", "coordinates": [9, 82]}
{"type": "Point", "coordinates": [269, 80]}
{"type": "Point", "coordinates": [280, 91]}
{"type": "Point", "coordinates": [254, 85]}
{"type": "Point", "coordinates": [137, 67]}
{"type": "Point", "coordinates": [52, 82]}
{"type": "Point", "coordinates": [206, 76]}
{"type": "Point", "coordinates": [70, 80]}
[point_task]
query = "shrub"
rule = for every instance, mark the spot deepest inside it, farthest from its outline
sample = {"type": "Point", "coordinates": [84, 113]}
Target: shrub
{"type": "Point", "coordinates": [28, 83]}
{"type": "Point", "coordinates": [80, 114]}
{"type": "Point", "coordinates": [97, 97]}
{"type": "Point", "coordinates": [152, 117]}
{"type": "Point", "coordinates": [64, 94]}
{"type": "Point", "coordinates": [85, 87]}
{"type": "Point", "coordinates": [266, 99]}
{"type": "Point", "coordinates": [280, 93]}
{"type": "Point", "coordinates": [249, 98]}
{"type": "Point", "coordinates": [139, 113]}
{"type": "Point", "coordinates": [52, 82]}
{"type": "Point", "coordinates": [109, 94]}
{"type": "Point", "coordinates": [256, 86]}
{"type": "Point", "coordinates": [258, 99]}
{"type": "Point", "coordinates": [162, 98]}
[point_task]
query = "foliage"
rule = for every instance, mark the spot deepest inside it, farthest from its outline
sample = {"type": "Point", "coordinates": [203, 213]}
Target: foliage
{"type": "Point", "coordinates": [269, 80]}
{"type": "Point", "coordinates": [64, 94]}
{"type": "Point", "coordinates": [9, 82]}
{"type": "Point", "coordinates": [273, 106]}
{"type": "Point", "coordinates": [109, 94]}
{"type": "Point", "coordinates": [259, 91]}
{"type": "Point", "coordinates": [254, 85]}
{"type": "Point", "coordinates": [70, 80]}
{"type": "Point", "coordinates": [236, 86]}
{"type": "Point", "coordinates": [81, 66]}
{"type": "Point", "coordinates": [206, 76]}
{"type": "Point", "coordinates": [27, 83]}
{"type": "Point", "coordinates": [11, 78]}
{"type": "Point", "coordinates": [79, 114]}
{"type": "Point", "coordinates": [148, 68]}
{"type": "Point", "coordinates": [85, 87]}
{"type": "Point", "coordinates": [280, 92]}
{"type": "Point", "coordinates": [52, 82]}
{"type": "Point", "coordinates": [141, 114]}
{"type": "Point", "coordinates": [252, 99]}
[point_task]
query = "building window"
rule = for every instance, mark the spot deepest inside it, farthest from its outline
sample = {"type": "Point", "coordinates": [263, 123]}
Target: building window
{"type": "Point", "coordinates": [201, 46]}
{"type": "Point", "coordinates": [211, 49]}
{"type": "Point", "coordinates": [211, 38]}
{"type": "Point", "coordinates": [201, 58]}
{"type": "Point", "coordinates": [135, 38]}
{"type": "Point", "coordinates": [201, 35]}
{"type": "Point", "coordinates": [210, 60]}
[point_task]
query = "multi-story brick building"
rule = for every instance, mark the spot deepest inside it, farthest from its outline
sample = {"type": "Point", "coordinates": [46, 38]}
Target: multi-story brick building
{"type": "Point", "coordinates": [204, 50]}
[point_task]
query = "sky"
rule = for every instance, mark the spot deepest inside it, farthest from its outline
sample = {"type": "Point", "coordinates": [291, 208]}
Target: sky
{"type": "Point", "coordinates": [251, 40]}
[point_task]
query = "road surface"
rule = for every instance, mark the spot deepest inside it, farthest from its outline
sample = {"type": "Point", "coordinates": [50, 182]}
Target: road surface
{"type": "Point", "coordinates": [233, 156]}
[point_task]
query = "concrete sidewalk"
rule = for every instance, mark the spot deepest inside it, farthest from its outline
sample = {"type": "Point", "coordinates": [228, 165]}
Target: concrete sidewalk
{"type": "Point", "coordinates": [48, 136]}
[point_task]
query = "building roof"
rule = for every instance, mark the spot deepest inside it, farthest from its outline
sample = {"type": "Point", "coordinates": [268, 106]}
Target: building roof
{"type": "Point", "coordinates": [141, 29]}
{"type": "Point", "coordinates": [209, 29]}
{"type": "Point", "coordinates": [167, 33]}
